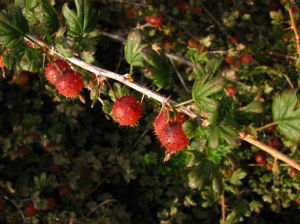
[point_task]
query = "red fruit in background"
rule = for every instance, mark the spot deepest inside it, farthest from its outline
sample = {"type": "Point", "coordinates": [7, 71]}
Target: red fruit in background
{"type": "Point", "coordinates": [129, 12]}
{"type": "Point", "coordinates": [29, 209]}
{"type": "Point", "coordinates": [181, 6]}
{"type": "Point", "coordinates": [33, 135]}
{"type": "Point", "coordinates": [23, 150]}
{"type": "Point", "coordinates": [21, 79]}
{"type": "Point", "coordinates": [155, 21]}
{"type": "Point", "coordinates": [293, 172]}
{"type": "Point", "coordinates": [49, 147]}
{"type": "Point", "coordinates": [230, 60]}
{"type": "Point", "coordinates": [201, 48]}
{"type": "Point", "coordinates": [231, 91]}
{"type": "Point", "coordinates": [127, 110]}
{"type": "Point", "coordinates": [2, 204]}
{"type": "Point", "coordinates": [1, 62]}
{"type": "Point", "coordinates": [274, 6]}
{"type": "Point", "coordinates": [246, 59]}
{"type": "Point", "coordinates": [64, 190]}
{"type": "Point", "coordinates": [192, 43]}
{"type": "Point", "coordinates": [70, 83]}
{"type": "Point", "coordinates": [174, 139]}
{"type": "Point", "coordinates": [55, 69]}
{"type": "Point", "coordinates": [232, 40]}
{"type": "Point", "coordinates": [274, 143]}
{"type": "Point", "coordinates": [51, 203]}
{"type": "Point", "coordinates": [271, 128]}
{"type": "Point", "coordinates": [55, 168]}
{"type": "Point", "coordinates": [260, 157]}
{"type": "Point", "coordinates": [197, 11]}
{"type": "Point", "coordinates": [269, 167]}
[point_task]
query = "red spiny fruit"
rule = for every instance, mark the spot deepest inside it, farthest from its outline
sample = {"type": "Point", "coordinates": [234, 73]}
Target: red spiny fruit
{"type": "Point", "coordinates": [55, 168]}
{"type": "Point", "coordinates": [274, 143]}
{"type": "Point", "coordinates": [174, 139]}
{"type": "Point", "coordinates": [70, 83]}
{"type": "Point", "coordinates": [29, 209]}
{"type": "Point", "coordinates": [246, 59]}
{"type": "Point", "coordinates": [160, 123]}
{"type": "Point", "coordinates": [127, 110]}
{"type": "Point", "coordinates": [271, 128]}
{"type": "Point", "coordinates": [64, 190]}
{"type": "Point", "coordinates": [230, 60]}
{"type": "Point", "coordinates": [155, 21]}
{"type": "Point", "coordinates": [260, 157]}
{"type": "Point", "coordinates": [51, 203]}
{"type": "Point", "coordinates": [231, 91]}
{"type": "Point", "coordinates": [181, 6]}
{"type": "Point", "coordinates": [293, 172]}
{"type": "Point", "coordinates": [169, 131]}
{"type": "Point", "coordinates": [55, 69]}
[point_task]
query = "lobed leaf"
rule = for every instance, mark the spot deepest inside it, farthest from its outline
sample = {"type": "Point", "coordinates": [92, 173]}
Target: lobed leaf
{"type": "Point", "coordinates": [83, 20]}
{"type": "Point", "coordinates": [286, 115]}
{"type": "Point", "coordinates": [133, 49]}
{"type": "Point", "coordinates": [13, 28]}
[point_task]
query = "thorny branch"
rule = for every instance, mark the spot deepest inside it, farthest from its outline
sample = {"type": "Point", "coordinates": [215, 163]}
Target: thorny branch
{"type": "Point", "coordinates": [164, 100]}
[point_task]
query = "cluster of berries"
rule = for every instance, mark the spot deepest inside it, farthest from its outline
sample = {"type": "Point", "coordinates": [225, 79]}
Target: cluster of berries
{"type": "Point", "coordinates": [127, 110]}
{"type": "Point", "coordinates": [68, 82]}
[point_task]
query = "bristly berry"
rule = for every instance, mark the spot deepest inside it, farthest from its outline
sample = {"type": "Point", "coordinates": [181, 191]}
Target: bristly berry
{"type": "Point", "coordinates": [70, 83]}
{"type": "Point", "coordinates": [55, 70]}
{"type": "Point", "coordinates": [155, 21]}
{"type": "Point", "coordinates": [127, 110]}
{"type": "Point", "coordinates": [51, 203]}
{"type": "Point", "coordinates": [260, 157]}
{"type": "Point", "coordinates": [29, 209]}
{"type": "Point", "coordinates": [174, 138]}
{"type": "Point", "coordinates": [169, 131]}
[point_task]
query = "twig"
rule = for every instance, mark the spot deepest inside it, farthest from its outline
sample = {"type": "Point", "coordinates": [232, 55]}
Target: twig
{"type": "Point", "coordinates": [16, 206]}
{"type": "Point", "coordinates": [163, 100]}
{"type": "Point", "coordinates": [223, 207]}
{"type": "Point", "coordinates": [295, 29]}
{"type": "Point", "coordinates": [112, 75]}
{"type": "Point", "coordinates": [287, 57]}
{"type": "Point", "coordinates": [180, 77]}
{"type": "Point", "coordinates": [210, 15]}
{"type": "Point", "coordinates": [99, 205]}
{"type": "Point", "coordinates": [275, 153]}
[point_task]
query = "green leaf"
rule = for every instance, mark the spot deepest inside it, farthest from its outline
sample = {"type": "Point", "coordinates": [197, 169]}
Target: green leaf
{"type": "Point", "coordinates": [286, 115]}
{"type": "Point", "coordinates": [203, 88]}
{"type": "Point", "coordinates": [220, 133]}
{"type": "Point", "coordinates": [199, 176]}
{"type": "Point", "coordinates": [190, 128]}
{"type": "Point", "coordinates": [13, 28]}
{"type": "Point", "coordinates": [237, 176]}
{"type": "Point", "coordinates": [49, 16]}
{"type": "Point", "coordinates": [253, 107]}
{"type": "Point", "coordinates": [32, 60]}
{"type": "Point", "coordinates": [64, 46]}
{"type": "Point", "coordinates": [83, 20]}
{"type": "Point", "coordinates": [133, 49]}
{"type": "Point", "coordinates": [160, 71]}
